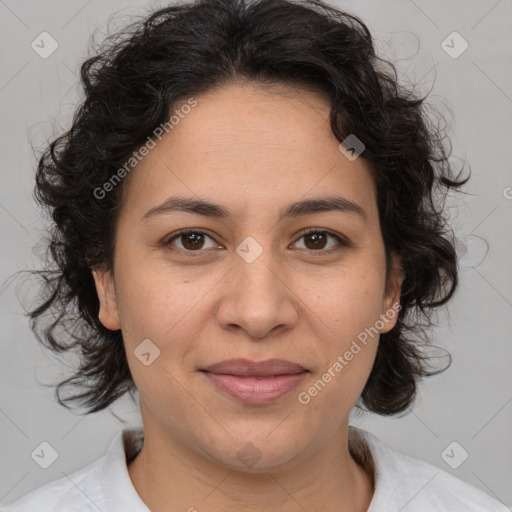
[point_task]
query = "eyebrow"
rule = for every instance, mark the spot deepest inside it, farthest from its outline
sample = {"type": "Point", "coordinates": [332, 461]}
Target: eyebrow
{"type": "Point", "coordinates": [293, 210]}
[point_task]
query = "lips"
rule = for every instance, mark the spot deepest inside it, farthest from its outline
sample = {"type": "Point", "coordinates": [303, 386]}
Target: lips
{"type": "Point", "coordinates": [253, 382]}
{"type": "Point", "coordinates": [246, 368]}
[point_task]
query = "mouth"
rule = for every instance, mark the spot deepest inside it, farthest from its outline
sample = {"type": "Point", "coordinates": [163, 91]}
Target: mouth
{"type": "Point", "coordinates": [253, 382]}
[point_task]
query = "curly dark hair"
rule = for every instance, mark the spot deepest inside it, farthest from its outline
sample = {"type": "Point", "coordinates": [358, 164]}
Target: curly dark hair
{"type": "Point", "coordinates": [131, 85]}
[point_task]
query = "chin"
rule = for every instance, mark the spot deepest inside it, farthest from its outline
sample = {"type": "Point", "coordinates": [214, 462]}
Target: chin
{"type": "Point", "coordinates": [256, 450]}
{"type": "Point", "coordinates": [254, 459]}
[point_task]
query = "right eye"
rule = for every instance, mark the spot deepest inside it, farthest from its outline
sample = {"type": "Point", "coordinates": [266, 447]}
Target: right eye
{"type": "Point", "coordinates": [192, 240]}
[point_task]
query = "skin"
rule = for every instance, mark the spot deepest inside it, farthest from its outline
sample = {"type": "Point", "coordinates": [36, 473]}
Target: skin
{"type": "Point", "coordinates": [254, 151]}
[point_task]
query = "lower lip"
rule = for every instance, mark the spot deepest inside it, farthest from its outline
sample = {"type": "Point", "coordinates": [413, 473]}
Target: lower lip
{"type": "Point", "coordinates": [256, 390]}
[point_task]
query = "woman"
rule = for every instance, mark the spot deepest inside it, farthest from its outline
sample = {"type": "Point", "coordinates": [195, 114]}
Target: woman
{"type": "Point", "coordinates": [247, 234]}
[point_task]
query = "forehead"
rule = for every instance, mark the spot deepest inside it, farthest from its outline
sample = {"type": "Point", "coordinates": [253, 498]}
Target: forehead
{"type": "Point", "coordinates": [241, 145]}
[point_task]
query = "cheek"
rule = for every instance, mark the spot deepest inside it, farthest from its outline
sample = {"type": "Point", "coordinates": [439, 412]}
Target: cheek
{"type": "Point", "coordinates": [350, 302]}
{"type": "Point", "coordinates": [348, 309]}
{"type": "Point", "coordinates": [156, 305]}
{"type": "Point", "coordinates": [348, 347]}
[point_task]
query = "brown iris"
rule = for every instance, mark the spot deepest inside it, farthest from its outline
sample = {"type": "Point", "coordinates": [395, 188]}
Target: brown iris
{"type": "Point", "coordinates": [196, 240]}
{"type": "Point", "coordinates": [316, 237]}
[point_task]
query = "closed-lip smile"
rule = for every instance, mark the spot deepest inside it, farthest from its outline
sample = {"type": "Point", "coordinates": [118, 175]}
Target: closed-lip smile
{"type": "Point", "coordinates": [255, 382]}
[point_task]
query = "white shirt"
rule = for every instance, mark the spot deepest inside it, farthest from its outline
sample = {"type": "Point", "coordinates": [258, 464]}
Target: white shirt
{"type": "Point", "coordinates": [402, 483]}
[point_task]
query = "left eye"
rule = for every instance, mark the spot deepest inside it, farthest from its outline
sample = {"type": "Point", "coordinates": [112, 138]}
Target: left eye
{"type": "Point", "coordinates": [193, 240]}
{"type": "Point", "coordinates": [318, 239]}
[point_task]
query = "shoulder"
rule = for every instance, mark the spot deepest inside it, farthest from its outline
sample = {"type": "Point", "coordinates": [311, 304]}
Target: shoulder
{"type": "Point", "coordinates": [102, 485]}
{"type": "Point", "coordinates": [79, 491]}
{"type": "Point", "coordinates": [409, 484]}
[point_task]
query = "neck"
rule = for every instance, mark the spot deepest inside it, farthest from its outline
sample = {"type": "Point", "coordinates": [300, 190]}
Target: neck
{"type": "Point", "coordinates": [169, 475]}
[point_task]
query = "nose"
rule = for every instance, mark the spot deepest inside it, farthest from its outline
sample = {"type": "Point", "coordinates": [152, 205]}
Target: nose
{"type": "Point", "coordinates": [258, 298]}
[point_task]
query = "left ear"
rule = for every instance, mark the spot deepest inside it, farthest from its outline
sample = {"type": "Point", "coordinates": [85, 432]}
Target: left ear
{"type": "Point", "coordinates": [391, 304]}
{"type": "Point", "coordinates": [108, 313]}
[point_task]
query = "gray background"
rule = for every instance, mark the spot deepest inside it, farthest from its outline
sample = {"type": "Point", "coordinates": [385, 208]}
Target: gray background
{"type": "Point", "coordinates": [471, 403]}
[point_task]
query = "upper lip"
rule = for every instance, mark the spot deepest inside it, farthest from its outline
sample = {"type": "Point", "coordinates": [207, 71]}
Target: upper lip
{"type": "Point", "coordinates": [247, 368]}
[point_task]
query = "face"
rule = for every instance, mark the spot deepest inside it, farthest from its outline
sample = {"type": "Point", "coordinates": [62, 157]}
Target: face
{"type": "Point", "coordinates": [252, 283]}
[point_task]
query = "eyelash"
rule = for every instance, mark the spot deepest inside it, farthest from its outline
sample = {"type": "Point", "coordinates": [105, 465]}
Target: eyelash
{"type": "Point", "coordinates": [341, 241]}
